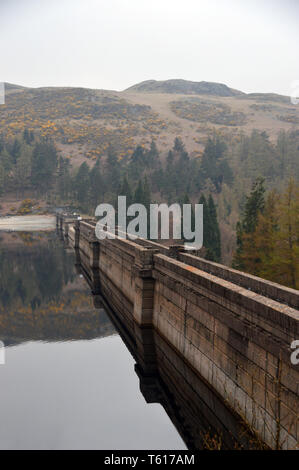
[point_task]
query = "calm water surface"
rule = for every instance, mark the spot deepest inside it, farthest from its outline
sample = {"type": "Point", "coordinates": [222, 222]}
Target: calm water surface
{"type": "Point", "coordinates": [69, 380]}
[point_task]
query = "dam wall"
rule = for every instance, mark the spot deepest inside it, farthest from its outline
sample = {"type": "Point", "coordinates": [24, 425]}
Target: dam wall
{"type": "Point", "coordinates": [233, 329]}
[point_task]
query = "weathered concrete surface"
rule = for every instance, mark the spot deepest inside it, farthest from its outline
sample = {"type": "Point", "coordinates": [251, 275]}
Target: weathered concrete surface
{"type": "Point", "coordinates": [236, 338]}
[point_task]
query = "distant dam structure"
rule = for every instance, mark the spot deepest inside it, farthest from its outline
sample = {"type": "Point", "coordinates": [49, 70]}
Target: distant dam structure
{"type": "Point", "coordinates": [233, 330]}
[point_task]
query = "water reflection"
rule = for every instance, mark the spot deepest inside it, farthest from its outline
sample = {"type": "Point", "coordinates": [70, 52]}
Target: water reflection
{"type": "Point", "coordinates": [78, 375]}
{"type": "Point", "coordinates": [42, 298]}
{"type": "Point", "coordinates": [69, 380]}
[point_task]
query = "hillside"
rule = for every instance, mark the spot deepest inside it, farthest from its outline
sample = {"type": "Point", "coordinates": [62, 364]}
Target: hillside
{"type": "Point", "coordinates": [13, 87]}
{"type": "Point", "coordinates": [148, 145]}
{"type": "Point", "coordinates": [184, 87]}
{"type": "Point", "coordinates": [85, 122]}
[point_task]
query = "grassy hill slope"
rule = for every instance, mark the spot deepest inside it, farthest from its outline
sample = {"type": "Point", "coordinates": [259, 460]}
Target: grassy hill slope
{"type": "Point", "coordinates": [85, 122]}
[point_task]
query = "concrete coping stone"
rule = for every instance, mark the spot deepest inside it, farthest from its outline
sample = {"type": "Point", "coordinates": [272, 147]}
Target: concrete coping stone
{"type": "Point", "coordinates": [261, 286]}
{"type": "Point", "coordinates": [248, 299]}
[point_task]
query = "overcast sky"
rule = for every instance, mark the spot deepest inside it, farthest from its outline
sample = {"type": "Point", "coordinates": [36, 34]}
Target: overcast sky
{"type": "Point", "coordinates": [251, 45]}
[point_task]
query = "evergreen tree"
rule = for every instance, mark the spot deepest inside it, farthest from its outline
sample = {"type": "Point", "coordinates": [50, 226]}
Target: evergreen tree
{"type": "Point", "coordinates": [206, 224]}
{"type": "Point", "coordinates": [31, 137]}
{"type": "Point", "coordinates": [254, 206]}
{"type": "Point", "coordinates": [170, 159]}
{"type": "Point", "coordinates": [178, 145]}
{"type": "Point", "coordinates": [139, 195]}
{"type": "Point", "coordinates": [214, 237]}
{"type": "Point", "coordinates": [214, 166]}
{"type": "Point", "coordinates": [64, 179]}
{"type": "Point", "coordinates": [137, 163]}
{"type": "Point", "coordinates": [113, 171]}
{"type": "Point", "coordinates": [22, 170]}
{"type": "Point", "coordinates": [15, 151]}
{"type": "Point", "coordinates": [96, 187]}
{"type": "Point", "coordinates": [146, 194]}
{"type": "Point", "coordinates": [152, 155]}
{"type": "Point", "coordinates": [126, 190]}
{"type": "Point", "coordinates": [44, 162]}
{"type": "Point", "coordinates": [142, 193]}
{"type": "Point", "coordinates": [211, 232]}
{"type": "Point", "coordinates": [26, 136]}
{"type": "Point", "coordinates": [82, 185]}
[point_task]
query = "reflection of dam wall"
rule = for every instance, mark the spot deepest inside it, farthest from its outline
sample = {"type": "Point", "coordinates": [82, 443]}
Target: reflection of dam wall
{"type": "Point", "coordinates": [237, 338]}
{"type": "Point", "coordinates": [195, 407]}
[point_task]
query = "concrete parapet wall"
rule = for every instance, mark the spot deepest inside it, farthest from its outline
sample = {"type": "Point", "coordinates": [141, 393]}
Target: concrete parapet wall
{"type": "Point", "coordinates": [260, 286]}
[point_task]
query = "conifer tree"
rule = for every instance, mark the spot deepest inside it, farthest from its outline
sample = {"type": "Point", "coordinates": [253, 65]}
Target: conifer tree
{"type": "Point", "coordinates": [152, 155]}
{"type": "Point", "coordinates": [44, 162]}
{"type": "Point", "coordinates": [254, 206]}
{"type": "Point", "coordinates": [178, 145]}
{"type": "Point", "coordinates": [82, 185]}
{"type": "Point", "coordinates": [95, 185]}
{"type": "Point", "coordinates": [211, 232]}
{"type": "Point", "coordinates": [126, 190]}
{"type": "Point", "coordinates": [113, 171]}
{"type": "Point", "coordinates": [214, 236]}
{"type": "Point", "coordinates": [214, 166]}
{"type": "Point", "coordinates": [146, 194]}
{"type": "Point", "coordinates": [138, 196]}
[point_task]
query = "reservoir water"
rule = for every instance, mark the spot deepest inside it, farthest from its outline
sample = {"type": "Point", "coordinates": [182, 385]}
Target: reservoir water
{"type": "Point", "coordinates": [76, 376]}
{"type": "Point", "coordinates": [68, 381]}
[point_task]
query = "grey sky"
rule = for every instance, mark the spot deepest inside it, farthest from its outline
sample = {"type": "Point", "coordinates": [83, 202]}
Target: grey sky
{"type": "Point", "coordinates": [251, 45]}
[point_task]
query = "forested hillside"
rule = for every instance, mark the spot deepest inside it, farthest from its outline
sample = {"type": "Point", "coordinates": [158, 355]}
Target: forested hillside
{"type": "Point", "coordinates": [77, 148]}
